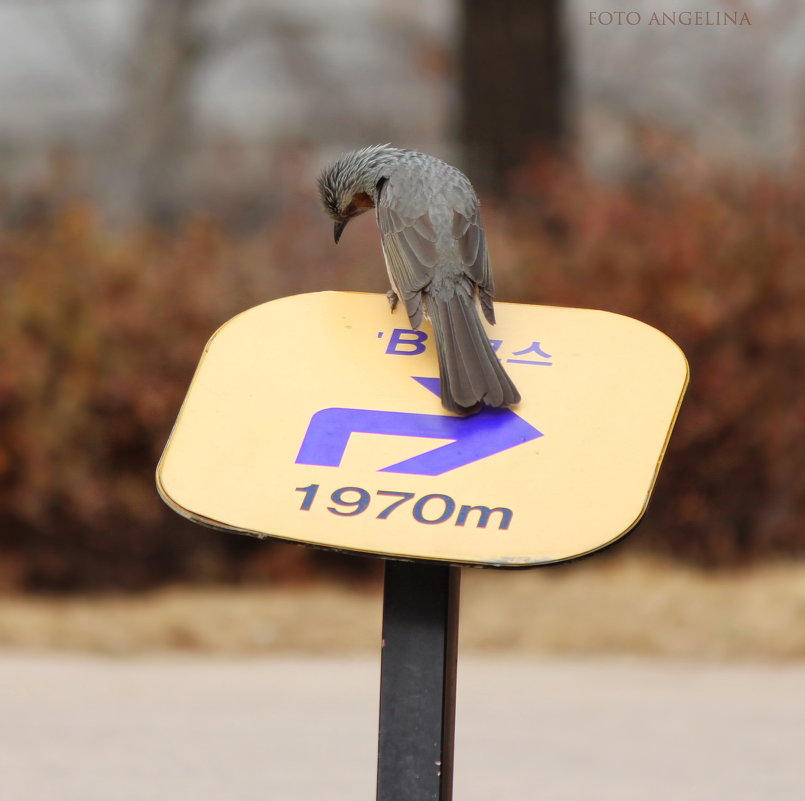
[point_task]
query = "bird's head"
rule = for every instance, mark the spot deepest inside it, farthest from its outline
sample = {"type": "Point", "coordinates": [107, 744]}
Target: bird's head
{"type": "Point", "coordinates": [349, 186]}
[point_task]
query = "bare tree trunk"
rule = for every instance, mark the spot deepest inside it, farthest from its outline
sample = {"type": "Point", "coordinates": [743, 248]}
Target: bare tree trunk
{"type": "Point", "coordinates": [155, 124]}
{"type": "Point", "coordinates": [513, 85]}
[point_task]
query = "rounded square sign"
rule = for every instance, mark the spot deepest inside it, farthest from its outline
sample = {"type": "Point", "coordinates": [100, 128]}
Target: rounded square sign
{"type": "Point", "coordinates": [316, 418]}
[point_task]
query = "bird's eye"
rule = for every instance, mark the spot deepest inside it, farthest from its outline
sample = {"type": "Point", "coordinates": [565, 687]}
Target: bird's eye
{"type": "Point", "coordinates": [351, 209]}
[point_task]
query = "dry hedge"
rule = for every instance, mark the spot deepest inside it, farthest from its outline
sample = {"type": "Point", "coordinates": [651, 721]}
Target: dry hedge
{"type": "Point", "coordinates": [101, 331]}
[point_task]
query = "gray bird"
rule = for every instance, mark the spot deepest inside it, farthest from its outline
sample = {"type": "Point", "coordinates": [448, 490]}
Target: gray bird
{"type": "Point", "coordinates": [436, 257]}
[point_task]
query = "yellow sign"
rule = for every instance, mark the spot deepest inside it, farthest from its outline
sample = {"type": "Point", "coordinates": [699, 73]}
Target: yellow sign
{"type": "Point", "coordinates": [316, 418]}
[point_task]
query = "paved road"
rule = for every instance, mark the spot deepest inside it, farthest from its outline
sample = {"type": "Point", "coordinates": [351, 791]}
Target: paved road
{"type": "Point", "coordinates": [94, 729]}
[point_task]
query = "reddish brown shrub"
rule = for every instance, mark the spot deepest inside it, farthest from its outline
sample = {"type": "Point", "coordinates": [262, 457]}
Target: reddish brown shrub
{"type": "Point", "coordinates": [101, 332]}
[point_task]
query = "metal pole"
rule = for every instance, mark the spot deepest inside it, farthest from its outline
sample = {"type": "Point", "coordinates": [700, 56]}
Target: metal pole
{"type": "Point", "coordinates": [418, 682]}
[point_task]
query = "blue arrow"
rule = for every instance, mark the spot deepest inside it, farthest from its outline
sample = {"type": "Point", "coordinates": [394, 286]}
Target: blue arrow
{"type": "Point", "coordinates": [484, 434]}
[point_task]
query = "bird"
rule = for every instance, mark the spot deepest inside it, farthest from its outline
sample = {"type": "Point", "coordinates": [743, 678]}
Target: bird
{"type": "Point", "coordinates": [436, 256]}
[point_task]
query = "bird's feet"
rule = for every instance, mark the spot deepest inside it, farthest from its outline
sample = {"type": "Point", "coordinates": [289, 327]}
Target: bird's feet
{"type": "Point", "coordinates": [393, 299]}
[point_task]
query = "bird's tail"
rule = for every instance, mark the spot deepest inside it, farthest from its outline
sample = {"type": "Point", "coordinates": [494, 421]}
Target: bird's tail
{"type": "Point", "coordinates": [470, 372]}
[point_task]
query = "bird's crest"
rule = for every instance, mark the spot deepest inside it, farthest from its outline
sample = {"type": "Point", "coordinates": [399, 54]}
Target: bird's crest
{"type": "Point", "coordinates": [349, 174]}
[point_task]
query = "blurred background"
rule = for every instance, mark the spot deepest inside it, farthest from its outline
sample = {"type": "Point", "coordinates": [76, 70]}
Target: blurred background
{"type": "Point", "coordinates": [157, 176]}
{"type": "Point", "coordinates": [158, 164]}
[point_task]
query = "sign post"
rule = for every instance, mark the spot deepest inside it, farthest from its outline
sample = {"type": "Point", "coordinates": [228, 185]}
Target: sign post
{"type": "Point", "coordinates": [418, 681]}
{"type": "Point", "coordinates": [316, 419]}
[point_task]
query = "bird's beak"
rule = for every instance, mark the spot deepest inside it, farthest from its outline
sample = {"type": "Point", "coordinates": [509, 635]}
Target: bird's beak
{"type": "Point", "coordinates": [338, 229]}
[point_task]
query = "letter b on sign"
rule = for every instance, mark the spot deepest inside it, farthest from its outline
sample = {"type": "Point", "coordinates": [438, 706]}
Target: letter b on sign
{"type": "Point", "coordinates": [406, 342]}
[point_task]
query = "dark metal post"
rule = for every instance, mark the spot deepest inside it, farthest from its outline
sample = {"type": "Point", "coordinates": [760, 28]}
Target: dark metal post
{"type": "Point", "coordinates": [418, 682]}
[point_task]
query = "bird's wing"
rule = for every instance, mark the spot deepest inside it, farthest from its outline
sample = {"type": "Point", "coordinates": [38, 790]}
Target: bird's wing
{"type": "Point", "coordinates": [409, 243]}
{"type": "Point", "coordinates": [410, 239]}
{"type": "Point", "coordinates": [469, 234]}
